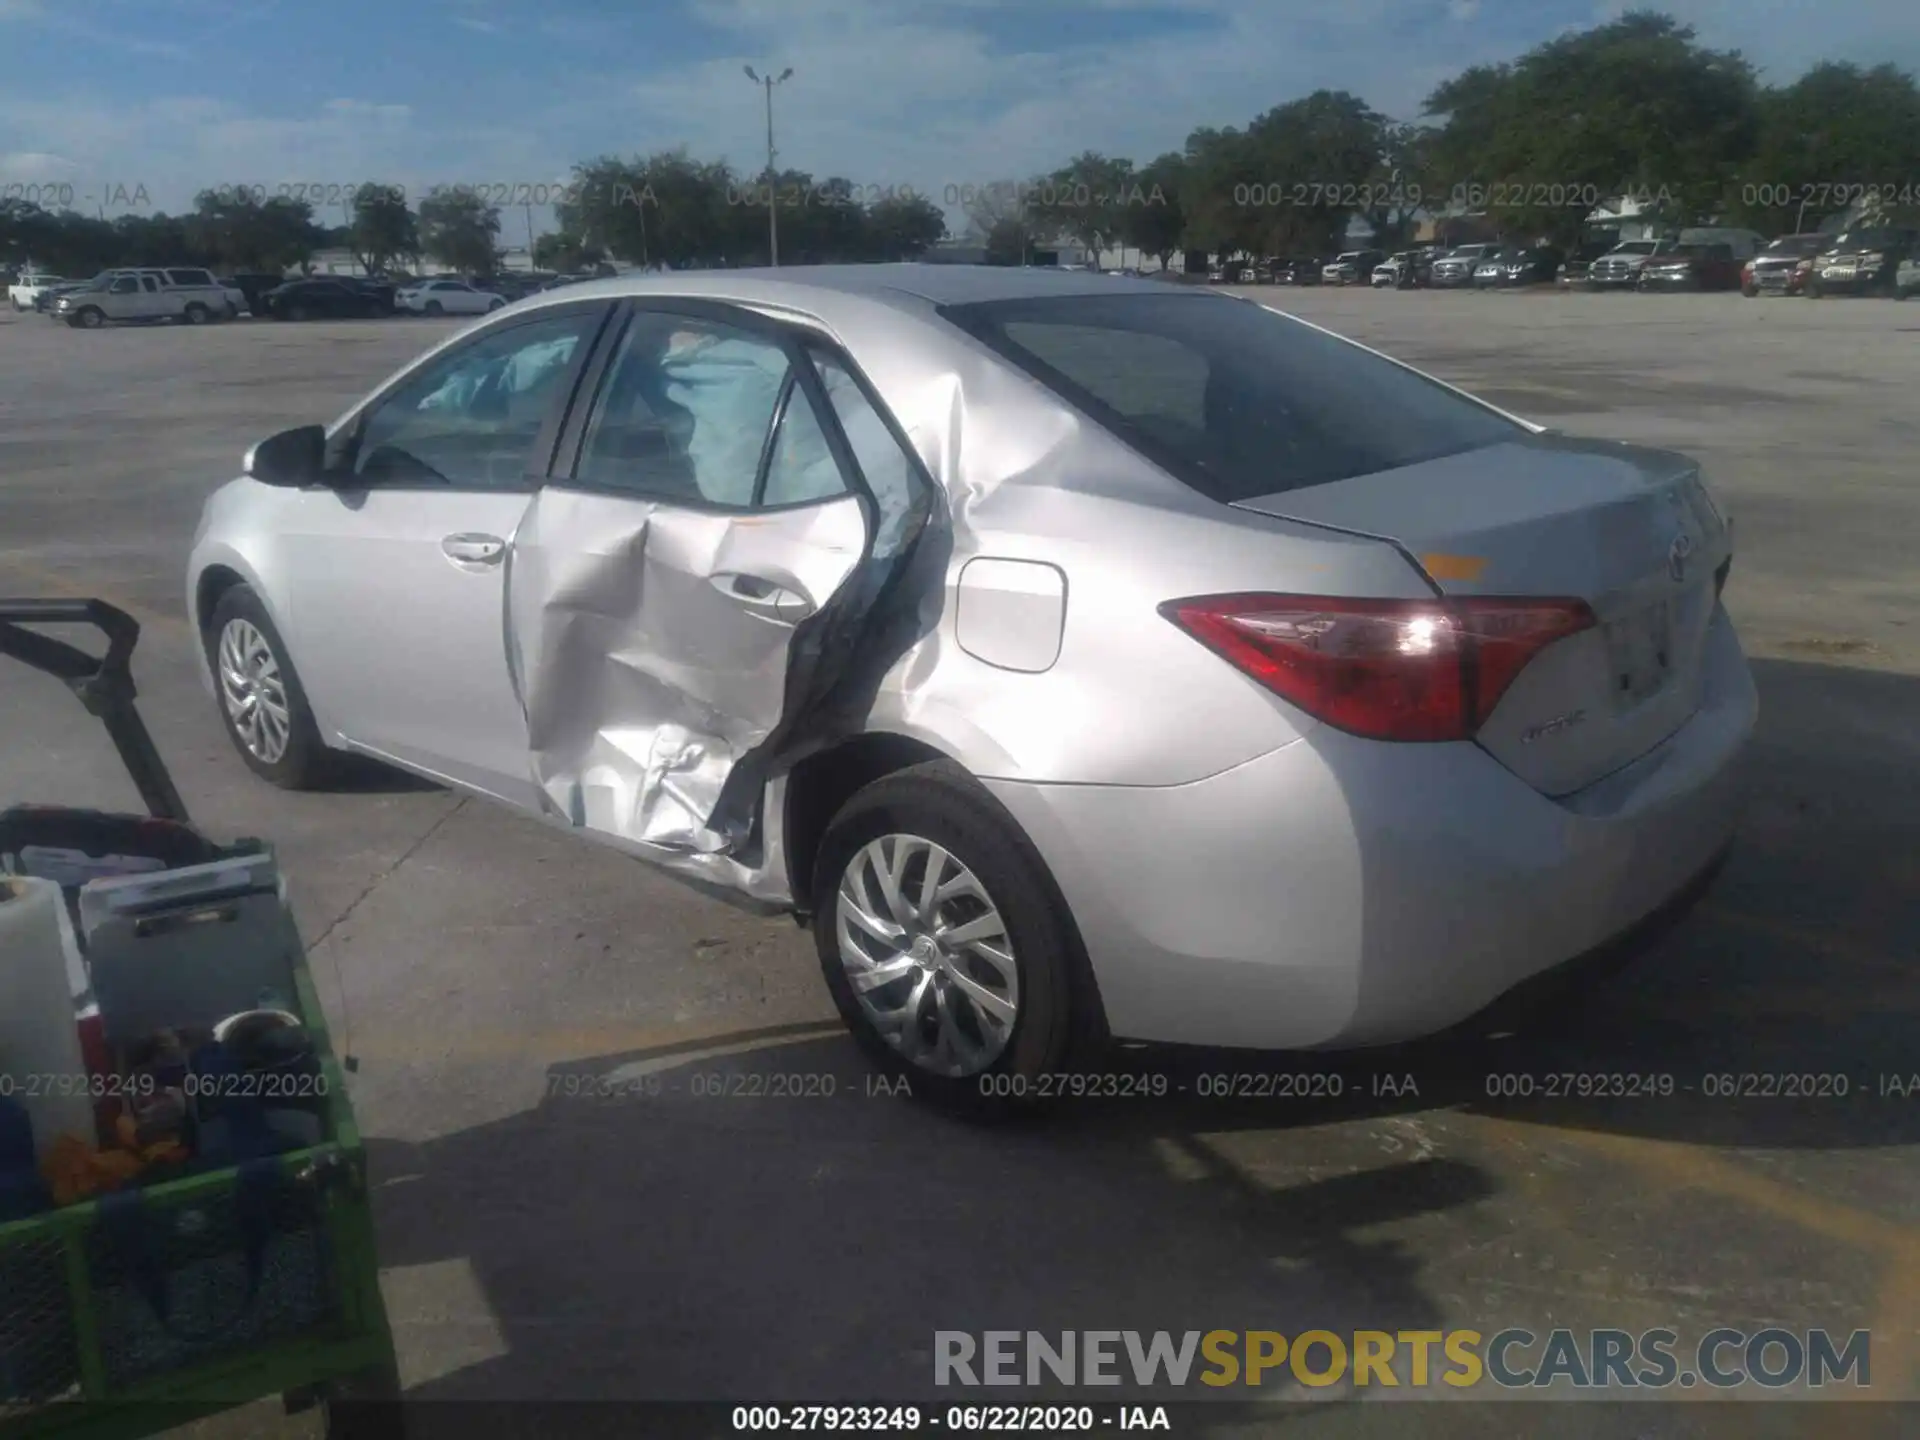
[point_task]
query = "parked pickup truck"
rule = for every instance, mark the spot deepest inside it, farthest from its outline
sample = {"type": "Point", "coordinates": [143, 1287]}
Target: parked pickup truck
{"type": "Point", "coordinates": [182, 293]}
{"type": "Point", "coordinates": [24, 291]}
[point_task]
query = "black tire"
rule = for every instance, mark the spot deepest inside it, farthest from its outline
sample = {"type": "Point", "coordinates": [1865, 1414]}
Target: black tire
{"type": "Point", "coordinates": [1812, 289]}
{"type": "Point", "coordinates": [1057, 1020]}
{"type": "Point", "coordinates": [198, 314]}
{"type": "Point", "coordinates": [305, 763]}
{"type": "Point", "coordinates": [91, 318]}
{"type": "Point", "coordinates": [496, 305]}
{"type": "Point", "coordinates": [435, 308]}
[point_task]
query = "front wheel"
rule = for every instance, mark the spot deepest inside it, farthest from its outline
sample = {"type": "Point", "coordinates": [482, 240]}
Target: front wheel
{"type": "Point", "coordinates": [262, 705]}
{"type": "Point", "coordinates": [496, 305]}
{"type": "Point", "coordinates": [435, 308]}
{"type": "Point", "coordinates": [1812, 289]}
{"type": "Point", "coordinates": [943, 943]}
{"type": "Point", "coordinates": [89, 319]}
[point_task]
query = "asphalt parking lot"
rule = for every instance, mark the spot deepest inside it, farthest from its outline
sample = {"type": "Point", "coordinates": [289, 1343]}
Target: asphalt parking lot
{"type": "Point", "coordinates": [703, 1246]}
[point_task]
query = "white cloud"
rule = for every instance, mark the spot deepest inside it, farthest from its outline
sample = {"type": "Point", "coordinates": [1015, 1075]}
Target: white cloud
{"type": "Point", "coordinates": [484, 27]}
{"type": "Point", "coordinates": [1462, 9]}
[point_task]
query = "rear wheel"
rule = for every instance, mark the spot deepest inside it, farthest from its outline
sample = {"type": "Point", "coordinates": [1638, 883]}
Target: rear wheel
{"type": "Point", "coordinates": [296, 312]}
{"type": "Point", "coordinates": [198, 314]}
{"type": "Point", "coordinates": [948, 954]}
{"type": "Point", "coordinates": [262, 704]}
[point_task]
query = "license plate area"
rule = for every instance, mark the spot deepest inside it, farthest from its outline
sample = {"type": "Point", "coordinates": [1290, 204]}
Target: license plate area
{"type": "Point", "coordinates": [1640, 654]}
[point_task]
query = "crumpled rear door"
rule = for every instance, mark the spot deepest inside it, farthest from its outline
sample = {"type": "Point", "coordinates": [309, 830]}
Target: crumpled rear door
{"type": "Point", "coordinates": [684, 606]}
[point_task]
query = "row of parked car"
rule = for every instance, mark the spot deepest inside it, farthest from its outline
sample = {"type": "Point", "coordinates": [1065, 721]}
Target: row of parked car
{"type": "Point", "coordinates": [1876, 260]}
{"type": "Point", "coordinates": [194, 296]}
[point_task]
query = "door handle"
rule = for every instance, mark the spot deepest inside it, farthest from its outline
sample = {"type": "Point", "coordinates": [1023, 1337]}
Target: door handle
{"type": "Point", "coordinates": [764, 598]}
{"type": "Point", "coordinates": [474, 549]}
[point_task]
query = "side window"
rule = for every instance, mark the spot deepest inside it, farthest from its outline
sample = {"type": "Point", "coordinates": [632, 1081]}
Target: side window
{"type": "Point", "coordinates": [149, 284]}
{"type": "Point", "coordinates": [886, 466]}
{"type": "Point", "coordinates": [126, 285]}
{"type": "Point", "coordinates": [802, 467]}
{"type": "Point", "coordinates": [684, 412]}
{"type": "Point", "coordinates": [470, 419]}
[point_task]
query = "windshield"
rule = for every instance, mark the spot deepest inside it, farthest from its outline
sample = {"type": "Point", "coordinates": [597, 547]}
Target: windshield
{"type": "Point", "coordinates": [1863, 239]}
{"type": "Point", "coordinates": [1637, 247]}
{"type": "Point", "coordinates": [1795, 245]}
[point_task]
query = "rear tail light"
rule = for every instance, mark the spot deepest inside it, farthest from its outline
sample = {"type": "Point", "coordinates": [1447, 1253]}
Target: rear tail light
{"type": "Point", "coordinates": [1416, 670]}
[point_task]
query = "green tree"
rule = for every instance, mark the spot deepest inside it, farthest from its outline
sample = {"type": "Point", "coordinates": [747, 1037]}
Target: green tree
{"type": "Point", "coordinates": [459, 229]}
{"type": "Point", "coordinates": [902, 227]}
{"type": "Point", "coordinates": [1218, 169]}
{"type": "Point", "coordinates": [1009, 242]}
{"type": "Point", "coordinates": [1086, 200]}
{"type": "Point", "coordinates": [384, 229]}
{"type": "Point", "coordinates": [1836, 137]}
{"type": "Point", "coordinates": [1633, 107]}
{"type": "Point", "coordinates": [245, 233]}
{"type": "Point", "coordinates": [661, 209]}
{"type": "Point", "coordinates": [1158, 224]}
{"type": "Point", "coordinates": [1403, 185]}
{"type": "Point", "coordinates": [565, 251]}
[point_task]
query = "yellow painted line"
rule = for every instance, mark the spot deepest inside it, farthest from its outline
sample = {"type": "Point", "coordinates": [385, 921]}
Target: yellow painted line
{"type": "Point", "coordinates": [1896, 1320]}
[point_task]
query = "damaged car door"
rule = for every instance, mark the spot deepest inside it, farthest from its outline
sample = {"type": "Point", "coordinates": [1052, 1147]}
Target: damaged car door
{"type": "Point", "coordinates": [677, 596]}
{"type": "Point", "coordinates": [395, 571]}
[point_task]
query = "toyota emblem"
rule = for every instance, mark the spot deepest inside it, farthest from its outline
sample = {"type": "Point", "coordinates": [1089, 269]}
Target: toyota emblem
{"type": "Point", "coordinates": [1678, 554]}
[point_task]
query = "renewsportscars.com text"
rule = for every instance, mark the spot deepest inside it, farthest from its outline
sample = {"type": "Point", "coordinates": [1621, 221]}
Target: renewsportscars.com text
{"type": "Point", "coordinates": [1510, 1359]}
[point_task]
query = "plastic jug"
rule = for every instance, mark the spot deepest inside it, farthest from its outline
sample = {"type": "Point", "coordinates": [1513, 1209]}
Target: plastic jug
{"type": "Point", "coordinates": [40, 1056]}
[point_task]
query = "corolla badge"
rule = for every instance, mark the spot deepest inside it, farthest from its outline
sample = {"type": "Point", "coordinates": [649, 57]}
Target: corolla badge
{"type": "Point", "coordinates": [1553, 726]}
{"type": "Point", "coordinates": [1678, 554]}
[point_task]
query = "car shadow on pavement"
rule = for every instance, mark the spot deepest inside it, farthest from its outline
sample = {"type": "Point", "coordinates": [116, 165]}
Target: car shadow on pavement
{"type": "Point", "coordinates": [697, 1235]}
{"type": "Point", "coordinates": [363, 775]}
{"type": "Point", "coordinates": [763, 1218]}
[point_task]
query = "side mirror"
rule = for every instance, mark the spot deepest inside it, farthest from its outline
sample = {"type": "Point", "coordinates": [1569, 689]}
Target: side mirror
{"type": "Point", "coordinates": [293, 457]}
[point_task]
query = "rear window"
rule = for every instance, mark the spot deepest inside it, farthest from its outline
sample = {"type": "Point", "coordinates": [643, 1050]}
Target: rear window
{"type": "Point", "coordinates": [190, 277]}
{"type": "Point", "coordinates": [1227, 396]}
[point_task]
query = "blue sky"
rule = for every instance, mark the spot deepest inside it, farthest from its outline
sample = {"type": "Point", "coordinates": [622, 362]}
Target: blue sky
{"type": "Point", "coordinates": [155, 99]}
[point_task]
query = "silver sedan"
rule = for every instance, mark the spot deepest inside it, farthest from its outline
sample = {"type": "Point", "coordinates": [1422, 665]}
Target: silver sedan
{"type": "Point", "coordinates": [1083, 657]}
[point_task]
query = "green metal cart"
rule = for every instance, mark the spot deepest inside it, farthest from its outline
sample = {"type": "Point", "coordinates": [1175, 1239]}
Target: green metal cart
{"type": "Point", "coordinates": [134, 1313]}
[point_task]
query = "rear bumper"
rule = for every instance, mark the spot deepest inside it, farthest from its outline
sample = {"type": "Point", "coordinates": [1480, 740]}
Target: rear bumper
{"type": "Point", "coordinates": [1342, 892]}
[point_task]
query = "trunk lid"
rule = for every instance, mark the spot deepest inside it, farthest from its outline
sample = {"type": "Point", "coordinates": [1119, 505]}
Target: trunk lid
{"type": "Point", "coordinates": [1630, 531]}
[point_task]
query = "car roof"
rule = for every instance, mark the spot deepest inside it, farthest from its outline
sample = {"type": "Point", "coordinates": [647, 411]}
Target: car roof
{"type": "Point", "coordinates": [905, 285]}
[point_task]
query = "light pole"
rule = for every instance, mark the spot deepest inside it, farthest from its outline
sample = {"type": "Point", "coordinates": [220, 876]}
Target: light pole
{"type": "Point", "coordinates": [773, 203]}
